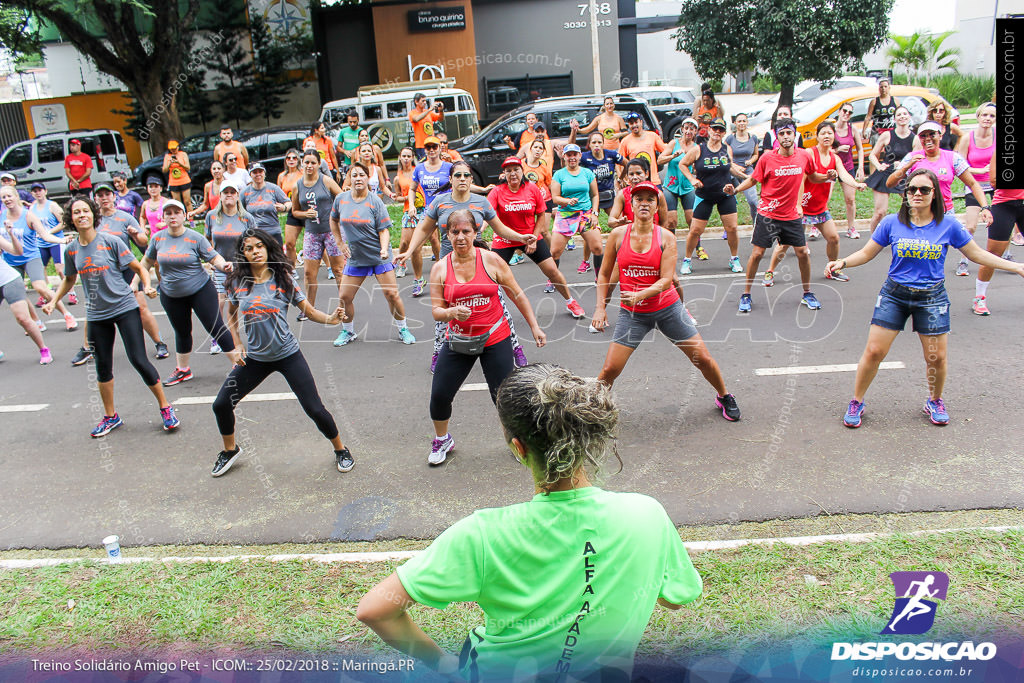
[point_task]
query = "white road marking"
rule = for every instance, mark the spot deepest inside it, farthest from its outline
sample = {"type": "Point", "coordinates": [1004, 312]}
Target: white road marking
{"type": "Point", "coordinates": [398, 555]}
{"type": "Point", "coordinates": [26, 408]}
{"type": "Point", "coordinates": [207, 400]}
{"type": "Point", "coordinates": [818, 369]}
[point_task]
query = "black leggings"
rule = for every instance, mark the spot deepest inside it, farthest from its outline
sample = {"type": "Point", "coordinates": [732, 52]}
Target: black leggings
{"type": "Point", "coordinates": [244, 378]}
{"type": "Point", "coordinates": [204, 303]}
{"type": "Point", "coordinates": [453, 369]}
{"type": "Point", "coordinates": [101, 337]}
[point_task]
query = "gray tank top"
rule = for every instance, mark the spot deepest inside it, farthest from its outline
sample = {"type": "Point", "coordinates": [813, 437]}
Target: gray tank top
{"type": "Point", "coordinates": [318, 197]}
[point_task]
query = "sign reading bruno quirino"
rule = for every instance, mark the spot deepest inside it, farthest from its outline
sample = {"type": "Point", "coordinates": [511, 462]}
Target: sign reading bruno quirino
{"type": "Point", "coordinates": [442, 19]}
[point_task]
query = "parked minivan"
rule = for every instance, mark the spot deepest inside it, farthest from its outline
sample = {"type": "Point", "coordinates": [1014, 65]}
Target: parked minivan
{"type": "Point", "coordinates": [384, 112]}
{"type": "Point", "coordinates": [41, 159]}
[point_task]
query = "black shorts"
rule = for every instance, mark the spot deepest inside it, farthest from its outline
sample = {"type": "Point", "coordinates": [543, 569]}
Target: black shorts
{"type": "Point", "coordinates": [969, 199]}
{"type": "Point", "coordinates": [1004, 216]}
{"type": "Point", "coordinates": [549, 205]}
{"type": "Point", "coordinates": [702, 207]}
{"type": "Point", "coordinates": [293, 221]}
{"type": "Point", "coordinates": [540, 254]}
{"type": "Point", "coordinates": [769, 230]}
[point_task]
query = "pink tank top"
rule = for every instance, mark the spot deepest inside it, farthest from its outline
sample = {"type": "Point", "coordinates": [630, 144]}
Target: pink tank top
{"type": "Point", "coordinates": [848, 139]}
{"type": "Point", "coordinates": [154, 217]}
{"type": "Point", "coordinates": [943, 168]}
{"type": "Point", "coordinates": [979, 157]}
{"type": "Point", "coordinates": [1000, 196]}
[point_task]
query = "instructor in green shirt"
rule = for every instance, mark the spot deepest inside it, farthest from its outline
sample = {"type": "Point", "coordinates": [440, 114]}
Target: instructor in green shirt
{"type": "Point", "coordinates": [563, 588]}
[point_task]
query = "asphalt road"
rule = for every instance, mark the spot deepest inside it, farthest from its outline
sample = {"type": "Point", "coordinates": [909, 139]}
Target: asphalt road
{"type": "Point", "coordinates": [789, 456]}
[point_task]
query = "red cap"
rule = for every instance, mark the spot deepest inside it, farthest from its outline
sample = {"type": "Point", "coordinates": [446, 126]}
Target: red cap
{"type": "Point", "coordinates": [647, 186]}
{"type": "Point", "coordinates": [75, 141]}
{"type": "Point", "coordinates": [512, 161]}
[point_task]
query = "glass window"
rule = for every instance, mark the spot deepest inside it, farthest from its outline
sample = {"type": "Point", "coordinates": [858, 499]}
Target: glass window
{"type": "Point", "coordinates": [560, 121]}
{"type": "Point", "coordinates": [120, 143]}
{"type": "Point", "coordinates": [397, 110]}
{"type": "Point", "coordinates": [195, 144]}
{"type": "Point", "coordinates": [50, 151]}
{"type": "Point", "coordinates": [449, 103]}
{"type": "Point", "coordinates": [466, 103]}
{"type": "Point", "coordinates": [17, 157]}
{"type": "Point", "coordinates": [279, 143]}
{"type": "Point", "coordinates": [90, 146]}
{"type": "Point", "coordinates": [509, 128]}
{"type": "Point", "coordinates": [107, 144]}
{"type": "Point", "coordinates": [682, 97]}
{"type": "Point", "coordinates": [373, 112]}
{"type": "Point", "coordinates": [658, 98]}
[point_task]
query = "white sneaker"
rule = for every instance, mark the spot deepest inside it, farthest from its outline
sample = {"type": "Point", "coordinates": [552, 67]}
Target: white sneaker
{"type": "Point", "coordinates": [214, 347]}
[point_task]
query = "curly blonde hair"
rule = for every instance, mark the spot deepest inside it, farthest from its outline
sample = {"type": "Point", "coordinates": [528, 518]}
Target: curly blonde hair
{"type": "Point", "coordinates": [946, 117]}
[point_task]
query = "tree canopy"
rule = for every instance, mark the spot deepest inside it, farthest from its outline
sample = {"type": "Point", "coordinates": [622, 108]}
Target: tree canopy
{"type": "Point", "coordinates": [787, 40]}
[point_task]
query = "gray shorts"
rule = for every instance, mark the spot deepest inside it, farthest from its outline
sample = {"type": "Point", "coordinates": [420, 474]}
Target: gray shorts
{"type": "Point", "coordinates": [33, 268]}
{"type": "Point", "coordinates": [13, 291]}
{"type": "Point", "coordinates": [631, 328]}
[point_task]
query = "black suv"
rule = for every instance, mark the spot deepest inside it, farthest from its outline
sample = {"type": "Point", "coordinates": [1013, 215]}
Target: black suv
{"type": "Point", "coordinates": [484, 151]}
{"type": "Point", "coordinates": [200, 155]}
{"type": "Point", "coordinates": [268, 146]}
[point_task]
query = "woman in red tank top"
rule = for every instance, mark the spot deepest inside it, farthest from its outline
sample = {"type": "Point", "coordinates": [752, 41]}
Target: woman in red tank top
{"type": "Point", "coordinates": [644, 256]}
{"type": "Point", "coordinates": [1006, 212]}
{"type": "Point", "coordinates": [464, 292]}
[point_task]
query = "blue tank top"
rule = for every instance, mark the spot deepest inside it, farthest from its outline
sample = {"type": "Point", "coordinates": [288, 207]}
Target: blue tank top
{"type": "Point", "coordinates": [46, 217]}
{"type": "Point", "coordinates": [28, 238]}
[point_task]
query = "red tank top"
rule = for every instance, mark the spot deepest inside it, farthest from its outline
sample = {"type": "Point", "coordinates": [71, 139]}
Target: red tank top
{"type": "Point", "coordinates": [481, 295]}
{"type": "Point", "coordinates": [1000, 196]}
{"type": "Point", "coordinates": [815, 199]}
{"type": "Point", "coordinates": [640, 271]}
{"type": "Point", "coordinates": [627, 205]}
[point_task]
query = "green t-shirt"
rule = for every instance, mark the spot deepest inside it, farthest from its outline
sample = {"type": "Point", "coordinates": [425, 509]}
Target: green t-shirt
{"type": "Point", "coordinates": [349, 137]}
{"type": "Point", "coordinates": [567, 581]}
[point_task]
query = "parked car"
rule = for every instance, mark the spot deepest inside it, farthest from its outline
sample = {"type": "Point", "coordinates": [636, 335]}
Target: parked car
{"type": "Point", "coordinates": [670, 104]}
{"type": "Point", "coordinates": [809, 114]}
{"type": "Point", "coordinates": [200, 155]}
{"type": "Point", "coordinates": [484, 151]}
{"type": "Point", "coordinates": [268, 146]}
{"type": "Point", "coordinates": [41, 159]}
{"type": "Point", "coordinates": [384, 112]}
{"type": "Point", "coordinates": [804, 92]}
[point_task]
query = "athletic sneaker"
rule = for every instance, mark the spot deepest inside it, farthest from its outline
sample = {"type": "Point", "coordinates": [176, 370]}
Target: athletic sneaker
{"type": "Point", "coordinates": [41, 325]}
{"type": "Point", "coordinates": [302, 317]}
{"type": "Point", "coordinates": [417, 287]}
{"type": "Point", "coordinates": [1017, 239]}
{"type": "Point", "coordinates": [520, 357]}
{"type": "Point", "coordinates": [1, 355]}
{"type": "Point", "coordinates": [440, 448]}
{"type": "Point", "coordinates": [178, 376]}
{"type": "Point", "coordinates": [344, 460]}
{"type": "Point", "coordinates": [593, 330]}
{"type": "Point", "coordinates": [769, 278]}
{"type": "Point", "coordinates": [83, 356]}
{"type": "Point", "coordinates": [549, 288]}
{"type": "Point", "coordinates": [730, 410]}
{"type": "Point", "coordinates": [575, 310]}
{"type": "Point", "coordinates": [330, 274]}
{"type": "Point", "coordinates": [813, 234]}
{"type": "Point", "coordinates": [225, 459]}
{"type": "Point", "coordinates": [214, 347]}
{"type": "Point", "coordinates": [1007, 255]}
{"type": "Point", "coordinates": [70, 324]}
{"type": "Point", "coordinates": [45, 358]}
{"type": "Point", "coordinates": [979, 307]}
{"type": "Point", "coordinates": [584, 268]}
{"type": "Point", "coordinates": [570, 245]}
{"type": "Point", "coordinates": [433, 362]}
{"type": "Point", "coordinates": [734, 265]}
{"type": "Point", "coordinates": [725, 235]}
{"type": "Point", "coordinates": [171, 420]}
{"type": "Point", "coordinates": [810, 301]}
{"type": "Point", "coordinates": [346, 337]}
{"type": "Point", "coordinates": [853, 414]}
{"type": "Point", "coordinates": [837, 275]}
{"type": "Point", "coordinates": [746, 303]}
{"type": "Point", "coordinates": [936, 411]}
{"type": "Point", "coordinates": [853, 234]}
{"type": "Point", "coordinates": [161, 351]}
{"type": "Point", "coordinates": [72, 299]}
{"type": "Point", "coordinates": [406, 336]}
{"type": "Point", "coordinates": [40, 301]}
{"type": "Point", "coordinates": [516, 259]}
{"type": "Point", "coordinates": [108, 424]}
{"type": "Point", "coordinates": [703, 255]}
{"type": "Point", "coordinates": [401, 271]}
{"type": "Point", "coordinates": [686, 267]}
{"type": "Point", "coordinates": [962, 270]}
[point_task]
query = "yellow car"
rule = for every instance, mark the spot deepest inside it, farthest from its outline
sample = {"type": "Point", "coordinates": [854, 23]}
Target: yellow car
{"type": "Point", "coordinates": [809, 114]}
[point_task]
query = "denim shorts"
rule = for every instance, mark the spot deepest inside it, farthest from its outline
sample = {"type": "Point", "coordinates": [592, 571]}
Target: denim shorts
{"type": "Point", "coordinates": [631, 328]}
{"type": "Point", "coordinates": [928, 307]}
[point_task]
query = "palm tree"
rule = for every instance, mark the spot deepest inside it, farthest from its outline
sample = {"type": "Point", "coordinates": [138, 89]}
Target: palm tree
{"type": "Point", "coordinates": [937, 57]}
{"type": "Point", "coordinates": [907, 51]}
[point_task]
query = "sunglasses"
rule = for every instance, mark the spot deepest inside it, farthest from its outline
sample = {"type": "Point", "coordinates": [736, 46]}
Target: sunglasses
{"type": "Point", "coordinates": [462, 175]}
{"type": "Point", "coordinates": [430, 147]}
{"type": "Point", "coordinates": [292, 158]}
{"type": "Point", "coordinates": [846, 111]}
{"type": "Point", "coordinates": [920, 189]}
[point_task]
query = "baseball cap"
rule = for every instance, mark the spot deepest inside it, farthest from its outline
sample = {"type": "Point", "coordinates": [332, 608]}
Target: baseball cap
{"type": "Point", "coordinates": [929, 126]}
{"type": "Point", "coordinates": [512, 161]}
{"type": "Point", "coordinates": [257, 166]}
{"type": "Point", "coordinates": [103, 187]}
{"type": "Point", "coordinates": [571, 148]}
{"type": "Point", "coordinates": [228, 184]}
{"type": "Point", "coordinates": [690, 119]}
{"type": "Point", "coordinates": [37, 186]}
{"type": "Point", "coordinates": [539, 126]}
{"type": "Point", "coordinates": [8, 176]}
{"type": "Point", "coordinates": [172, 144]}
{"type": "Point", "coordinates": [174, 202]}
{"type": "Point", "coordinates": [432, 140]}
{"type": "Point", "coordinates": [646, 186]}
{"type": "Point", "coordinates": [74, 141]}
{"type": "Point", "coordinates": [153, 180]}
{"type": "Point", "coordinates": [719, 123]}
{"type": "Point", "coordinates": [631, 116]}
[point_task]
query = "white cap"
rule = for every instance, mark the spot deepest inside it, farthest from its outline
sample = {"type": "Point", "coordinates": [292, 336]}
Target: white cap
{"type": "Point", "coordinates": [690, 119]}
{"type": "Point", "coordinates": [175, 203]}
{"type": "Point", "coordinates": [929, 125]}
{"type": "Point", "coordinates": [229, 183]}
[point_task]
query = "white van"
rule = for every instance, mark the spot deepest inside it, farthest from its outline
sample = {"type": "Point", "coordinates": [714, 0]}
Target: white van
{"type": "Point", "coordinates": [41, 159]}
{"type": "Point", "coordinates": [384, 112]}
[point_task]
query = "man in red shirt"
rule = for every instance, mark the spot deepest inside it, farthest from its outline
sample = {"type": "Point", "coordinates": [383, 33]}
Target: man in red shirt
{"type": "Point", "coordinates": [779, 217]}
{"type": "Point", "coordinates": [645, 144]}
{"type": "Point", "coordinates": [77, 169]}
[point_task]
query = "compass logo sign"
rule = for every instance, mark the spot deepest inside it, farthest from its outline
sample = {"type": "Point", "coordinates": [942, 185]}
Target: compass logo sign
{"type": "Point", "coordinates": [916, 601]}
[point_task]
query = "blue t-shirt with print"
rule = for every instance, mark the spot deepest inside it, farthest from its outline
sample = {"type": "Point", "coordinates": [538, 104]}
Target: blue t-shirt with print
{"type": "Point", "coordinates": [919, 252]}
{"type": "Point", "coordinates": [431, 182]}
{"type": "Point", "coordinates": [603, 169]}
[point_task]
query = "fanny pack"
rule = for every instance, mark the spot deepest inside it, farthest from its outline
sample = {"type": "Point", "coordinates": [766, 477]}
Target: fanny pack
{"type": "Point", "coordinates": [471, 344]}
{"type": "Point", "coordinates": [605, 196]}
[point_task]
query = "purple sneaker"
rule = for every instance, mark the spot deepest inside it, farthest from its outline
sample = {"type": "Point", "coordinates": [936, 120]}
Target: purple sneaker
{"type": "Point", "coordinates": [936, 411]}
{"type": "Point", "coordinates": [520, 356]}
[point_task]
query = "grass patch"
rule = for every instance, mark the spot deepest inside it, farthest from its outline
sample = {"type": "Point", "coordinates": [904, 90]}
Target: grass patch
{"type": "Point", "coordinates": [752, 596]}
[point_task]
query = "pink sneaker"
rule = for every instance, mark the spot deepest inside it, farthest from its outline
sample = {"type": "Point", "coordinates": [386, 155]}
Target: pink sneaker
{"type": "Point", "coordinates": [70, 323]}
{"type": "Point", "coordinates": [584, 267]}
{"type": "Point", "coordinates": [72, 299]}
{"type": "Point", "coordinates": [44, 356]}
{"type": "Point", "coordinates": [575, 310]}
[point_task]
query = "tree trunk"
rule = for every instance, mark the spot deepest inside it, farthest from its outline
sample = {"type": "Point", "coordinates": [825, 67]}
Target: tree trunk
{"type": "Point", "coordinates": [159, 106]}
{"type": "Point", "coordinates": [786, 94]}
